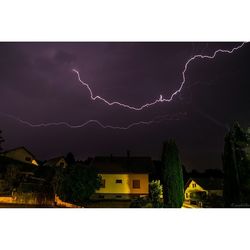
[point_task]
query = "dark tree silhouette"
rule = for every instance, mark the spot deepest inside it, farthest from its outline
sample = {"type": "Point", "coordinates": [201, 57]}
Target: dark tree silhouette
{"type": "Point", "coordinates": [70, 158]}
{"type": "Point", "coordinates": [173, 186]}
{"type": "Point", "coordinates": [235, 166]}
{"type": "Point", "coordinates": [1, 140]}
{"type": "Point", "coordinates": [77, 183]}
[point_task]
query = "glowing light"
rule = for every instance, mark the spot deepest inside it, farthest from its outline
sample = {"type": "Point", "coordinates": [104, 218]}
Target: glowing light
{"type": "Point", "coordinates": [157, 119]}
{"type": "Point", "coordinates": [161, 99]}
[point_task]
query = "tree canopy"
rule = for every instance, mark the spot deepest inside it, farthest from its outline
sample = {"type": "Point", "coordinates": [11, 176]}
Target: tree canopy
{"type": "Point", "coordinates": [155, 193]}
{"type": "Point", "coordinates": [76, 183]}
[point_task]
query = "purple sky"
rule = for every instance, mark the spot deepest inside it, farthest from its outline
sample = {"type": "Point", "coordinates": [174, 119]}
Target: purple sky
{"type": "Point", "coordinates": [37, 85]}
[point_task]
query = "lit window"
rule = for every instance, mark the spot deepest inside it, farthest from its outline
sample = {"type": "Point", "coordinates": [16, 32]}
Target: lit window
{"type": "Point", "coordinates": [118, 181]}
{"type": "Point", "coordinates": [103, 183]}
{"type": "Point", "coordinates": [27, 159]}
{"type": "Point", "coordinates": [136, 184]}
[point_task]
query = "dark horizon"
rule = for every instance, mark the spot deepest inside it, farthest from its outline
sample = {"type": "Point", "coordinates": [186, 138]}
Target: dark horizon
{"type": "Point", "coordinates": [38, 86]}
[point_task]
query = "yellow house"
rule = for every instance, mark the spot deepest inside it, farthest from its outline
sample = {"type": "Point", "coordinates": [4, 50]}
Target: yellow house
{"type": "Point", "coordinates": [21, 154]}
{"type": "Point", "coordinates": [122, 177]}
{"type": "Point", "coordinates": [209, 186]}
{"type": "Point", "coordinates": [57, 162]}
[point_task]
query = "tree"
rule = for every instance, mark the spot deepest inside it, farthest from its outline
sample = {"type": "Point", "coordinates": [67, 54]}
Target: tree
{"type": "Point", "coordinates": [1, 141]}
{"type": "Point", "coordinates": [235, 166]}
{"type": "Point", "coordinates": [173, 186]}
{"type": "Point", "coordinates": [155, 193]}
{"type": "Point", "coordinates": [70, 158]}
{"type": "Point", "coordinates": [77, 183]}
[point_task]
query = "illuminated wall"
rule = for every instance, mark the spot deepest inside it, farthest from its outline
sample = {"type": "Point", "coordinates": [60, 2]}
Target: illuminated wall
{"type": "Point", "coordinates": [30, 199]}
{"type": "Point", "coordinates": [7, 199]}
{"type": "Point", "coordinates": [193, 187]}
{"type": "Point", "coordinates": [61, 203]}
{"type": "Point", "coordinates": [61, 163]}
{"type": "Point", "coordinates": [123, 184]}
{"type": "Point", "coordinates": [22, 155]}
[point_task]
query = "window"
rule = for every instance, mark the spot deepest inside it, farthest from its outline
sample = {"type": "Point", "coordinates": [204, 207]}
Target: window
{"type": "Point", "coordinates": [118, 181]}
{"type": "Point", "coordinates": [136, 184]}
{"type": "Point", "coordinates": [186, 195]}
{"type": "Point", "coordinates": [194, 185]}
{"type": "Point", "coordinates": [103, 183]}
{"type": "Point", "coordinates": [118, 196]}
{"type": "Point", "coordinates": [27, 159]}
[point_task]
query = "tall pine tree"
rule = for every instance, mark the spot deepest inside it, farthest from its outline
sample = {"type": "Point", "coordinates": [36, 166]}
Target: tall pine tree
{"type": "Point", "coordinates": [173, 185]}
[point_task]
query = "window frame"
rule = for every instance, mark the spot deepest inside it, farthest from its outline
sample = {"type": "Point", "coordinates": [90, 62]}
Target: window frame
{"type": "Point", "coordinates": [136, 186]}
{"type": "Point", "coordinates": [28, 158]}
{"type": "Point", "coordinates": [103, 183]}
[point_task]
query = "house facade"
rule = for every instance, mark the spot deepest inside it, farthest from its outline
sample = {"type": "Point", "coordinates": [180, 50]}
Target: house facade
{"type": "Point", "coordinates": [208, 186]}
{"type": "Point", "coordinates": [21, 154]}
{"type": "Point", "coordinates": [56, 162]}
{"type": "Point", "coordinates": [123, 178]}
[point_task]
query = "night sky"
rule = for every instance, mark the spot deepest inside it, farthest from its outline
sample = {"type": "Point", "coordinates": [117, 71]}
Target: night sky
{"type": "Point", "coordinates": [37, 85]}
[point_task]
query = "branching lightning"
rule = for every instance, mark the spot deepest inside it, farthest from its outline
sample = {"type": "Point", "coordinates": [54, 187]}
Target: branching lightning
{"type": "Point", "coordinates": [160, 99]}
{"type": "Point", "coordinates": [157, 119]}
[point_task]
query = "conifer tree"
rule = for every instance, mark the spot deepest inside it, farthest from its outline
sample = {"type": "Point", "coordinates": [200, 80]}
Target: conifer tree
{"type": "Point", "coordinates": [173, 186]}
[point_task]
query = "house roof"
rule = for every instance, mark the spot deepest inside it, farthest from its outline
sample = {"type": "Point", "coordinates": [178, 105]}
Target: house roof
{"type": "Point", "coordinates": [111, 164]}
{"type": "Point", "coordinates": [22, 166]}
{"type": "Point", "coordinates": [18, 148]}
{"type": "Point", "coordinates": [207, 183]}
{"type": "Point", "coordinates": [53, 161]}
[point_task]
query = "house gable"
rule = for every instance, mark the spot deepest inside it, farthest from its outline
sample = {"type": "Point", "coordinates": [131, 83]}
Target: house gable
{"type": "Point", "coordinates": [57, 162]}
{"type": "Point", "coordinates": [208, 185]}
{"type": "Point", "coordinates": [62, 163]}
{"type": "Point", "coordinates": [193, 186]}
{"type": "Point", "coordinates": [21, 154]}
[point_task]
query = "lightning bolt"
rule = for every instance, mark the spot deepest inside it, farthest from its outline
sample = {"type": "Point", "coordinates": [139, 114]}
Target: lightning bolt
{"type": "Point", "coordinates": [157, 119]}
{"type": "Point", "coordinates": [161, 99]}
